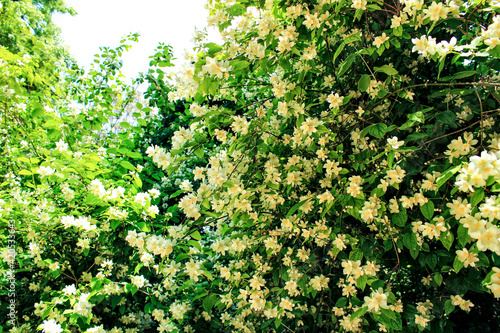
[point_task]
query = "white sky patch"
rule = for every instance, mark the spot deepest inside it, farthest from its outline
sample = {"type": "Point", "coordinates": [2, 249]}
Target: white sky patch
{"type": "Point", "coordinates": [105, 22]}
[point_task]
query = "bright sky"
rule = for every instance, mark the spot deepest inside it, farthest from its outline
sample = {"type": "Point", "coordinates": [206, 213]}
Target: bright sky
{"type": "Point", "coordinates": [105, 22]}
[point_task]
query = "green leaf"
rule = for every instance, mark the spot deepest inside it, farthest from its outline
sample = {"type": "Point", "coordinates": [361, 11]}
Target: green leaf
{"type": "Point", "coordinates": [431, 260]}
{"type": "Point", "coordinates": [115, 300]}
{"type": "Point", "coordinates": [295, 208]}
{"type": "Point", "coordinates": [447, 117]}
{"type": "Point", "coordinates": [359, 313]}
{"type": "Point", "coordinates": [176, 194]}
{"type": "Point", "coordinates": [131, 288]}
{"type": "Point", "coordinates": [196, 235]}
{"type": "Point", "coordinates": [205, 85]}
{"type": "Point", "coordinates": [25, 173]}
{"type": "Point", "coordinates": [337, 52]}
{"type": "Point", "coordinates": [428, 210]}
{"type": "Point", "coordinates": [364, 82]}
{"type": "Point", "coordinates": [228, 184]}
{"type": "Point", "coordinates": [355, 255]}
{"type": "Point", "coordinates": [195, 244]}
{"type": "Point", "coordinates": [143, 226]}
{"type": "Point", "coordinates": [127, 165]}
{"type": "Point", "coordinates": [446, 175]}
{"type": "Point", "coordinates": [213, 48]}
{"type": "Point", "coordinates": [239, 64]}
{"type": "Point", "coordinates": [400, 218]}
{"type": "Point", "coordinates": [447, 239]}
{"type": "Point", "coordinates": [149, 308]}
{"type": "Point", "coordinates": [387, 70]}
{"type": "Point", "coordinates": [209, 301]}
{"type": "Point", "coordinates": [346, 64]}
{"type": "Point", "coordinates": [277, 323]}
{"type": "Point", "coordinates": [352, 38]}
{"type": "Point", "coordinates": [378, 130]}
{"type": "Point", "coordinates": [115, 224]}
{"type": "Point", "coordinates": [483, 260]}
{"type": "Point", "coordinates": [341, 302]}
{"type": "Point", "coordinates": [416, 136]}
{"type": "Point", "coordinates": [417, 117]}
{"type": "Point", "coordinates": [457, 265]}
{"type": "Point", "coordinates": [199, 152]}
{"type": "Point", "coordinates": [361, 282]}
{"type": "Point", "coordinates": [407, 125]}
{"type": "Point", "coordinates": [476, 197]}
{"type": "Point", "coordinates": [208, 275]}
{"type": "Point", "coordinates": [463, 235]}
{"type": "Point", "coordinates": [459, 75]}
{"type": "Point", "coordinates": [438, 278]}
{"type": "Point", "coordinates": [390, 158]}
{"type": "Point", "coordinates": [448, 307]}
{"type": "Point", "coordinates": [410, 241]}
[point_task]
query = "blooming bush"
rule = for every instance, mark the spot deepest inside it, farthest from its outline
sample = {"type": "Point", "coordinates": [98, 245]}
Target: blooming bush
{"type": "Point", "coordinates": [344, 165]}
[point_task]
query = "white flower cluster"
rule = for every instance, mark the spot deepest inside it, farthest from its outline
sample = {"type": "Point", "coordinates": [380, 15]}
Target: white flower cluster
{"type": "Point", "coordinates": [159, 156]}
{"type": "Point", "coordinates": [157, 245]}
{"type": "Point", "coordinates": [426, 45]}
{"type": "Point", "coordinates": [492, 35]}
{"type": "Point", "coordinates": [83, 307]}
{"type": "Point", "coordinates": [81, 222]}
{"type": "Point", "coordinates": [216, 68]}
{"type": "Point", "coordinates": [97, 188]}
{"type": "Point", "coordinates": [478, 170]}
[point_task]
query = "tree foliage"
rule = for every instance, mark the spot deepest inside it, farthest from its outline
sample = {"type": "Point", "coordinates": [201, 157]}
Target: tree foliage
{"type": "Point", "coordinates": [332, 166]}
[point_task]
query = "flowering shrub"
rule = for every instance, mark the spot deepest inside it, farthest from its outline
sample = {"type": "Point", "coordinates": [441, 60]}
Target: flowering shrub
{"type": "Point", "coordinates": [347, 165]}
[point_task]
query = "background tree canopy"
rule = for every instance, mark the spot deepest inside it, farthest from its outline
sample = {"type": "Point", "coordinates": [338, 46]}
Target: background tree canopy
{"type": "Point", "coordinates": [333, 166]}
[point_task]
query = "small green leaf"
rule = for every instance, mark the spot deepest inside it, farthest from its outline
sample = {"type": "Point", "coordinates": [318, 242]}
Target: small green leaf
{"type": "Point", "coordinates": [438, 278]}
{"type": "Point", "coordinates": [277, 323]}
{"type": "Point", "coordinates": [446, 175]}
{"type": "Point", "coordinates": [447, 117]}
{"type": "Point", "coordinates": [364, 82]}
{"type": "Point", "coordinates": [457, 265]}
{"type": "Point", "coordinates": [447, 239]}
{"type": "Point", "coordinates": [463, 235]}
{"type": "Point", "coordinates": [228, 184]}
{"type": "Point", "coordinates": [428, 210]}
{"type": "Point", "coordinates": [199, 152]}
{"type": "Point", "coordinates": [448, 307]}
{"type": "Point", "coordinates": [387, 70]}
{"type": "Point", "coordinates": [196, 235]}
{"type": "Point", "coordinates": [127, 165]}
{"type": "Point", "coordinates": [400, 218]}
{"type": "Point", "coordinates": [410, 241]}
{"type": "Point", "coordinates": [209, 301]}
{"type": "Point", "coordinates": [378, 130]}
{"type": "Point", "coordinates": [346, 64]}
{"type": "Point", "coordinates": [476, 197]}
{"type": "Point", "coordinates": [240, 64]}
{"type": "Point", "coordinates": [176, 194]}
{"type": "Point", "coordinates": [341, 302]}
{"type": "Point", "coordinates": [417, 117]}
{"type": "Point", "coordinates": [361, 282]}
{"type": "Point", "coordinates": [359, 313]}
{"type": "Point", "coordinates": [295, 208]}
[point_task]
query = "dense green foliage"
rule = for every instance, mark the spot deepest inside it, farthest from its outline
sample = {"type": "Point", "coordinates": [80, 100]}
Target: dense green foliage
{"type": "Point", "coordinates": [332, 167]}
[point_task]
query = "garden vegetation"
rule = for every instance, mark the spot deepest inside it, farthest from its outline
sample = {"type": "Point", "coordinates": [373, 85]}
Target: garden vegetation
{"type": "Point", "coordinates": [332, 166]}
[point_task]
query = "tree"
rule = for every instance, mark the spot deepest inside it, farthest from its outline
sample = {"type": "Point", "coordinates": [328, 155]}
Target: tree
{"type": "Point", "coordinates": [344, 174]}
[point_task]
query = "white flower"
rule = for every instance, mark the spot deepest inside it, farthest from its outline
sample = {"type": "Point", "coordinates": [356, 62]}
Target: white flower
{"type": "Point", "coordinates": [69, 290]}
{"type": "Point", "coordinates": [45, 171]}
{"type": "Point", "coordinates": [61, 145]}
{"type": "Point", "coordinates": [51, 326]}
{"type": "Point", "coordinates": [395, 144]}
